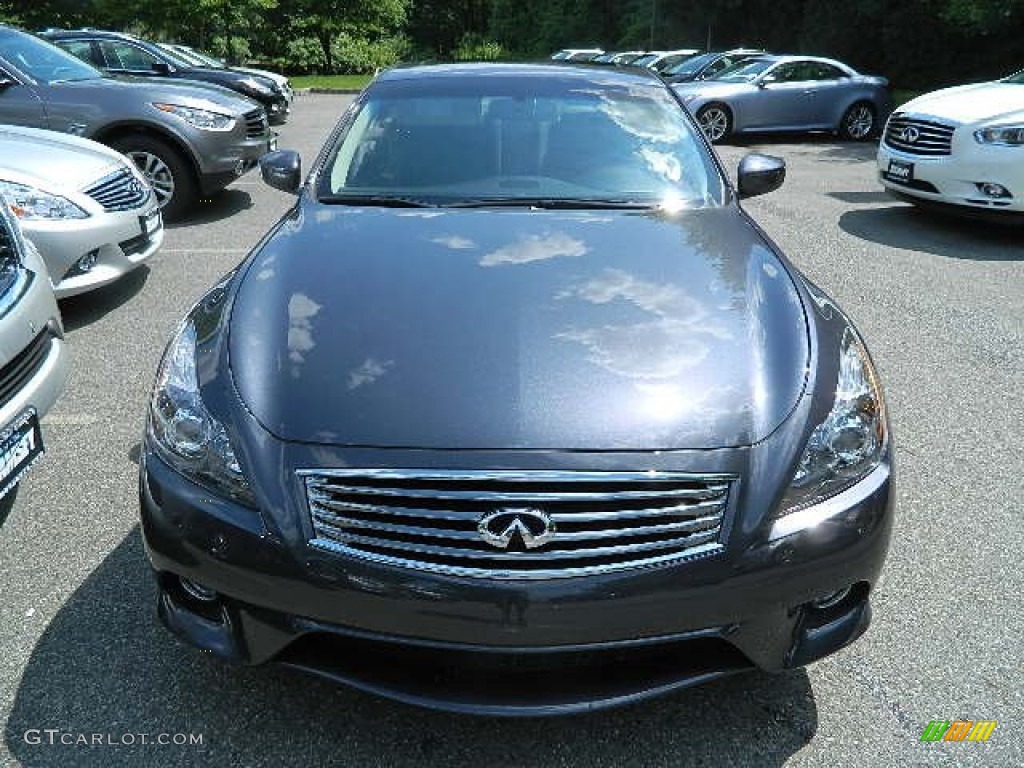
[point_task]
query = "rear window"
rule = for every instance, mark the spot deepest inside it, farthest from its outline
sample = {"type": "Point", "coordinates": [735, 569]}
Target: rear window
{"type": "Point", "coordinates": [528, 138]}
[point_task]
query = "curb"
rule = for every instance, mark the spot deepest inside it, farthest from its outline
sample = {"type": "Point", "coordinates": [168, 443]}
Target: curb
{"type": "Point", "coordinates": [348, 91]}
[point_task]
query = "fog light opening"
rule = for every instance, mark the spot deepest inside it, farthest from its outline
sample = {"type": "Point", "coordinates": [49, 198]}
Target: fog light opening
{"type": "Point", "coordinates": [831, 599]}
{"type": "Point", "coordinates": [84, 264]}
{"type": "Point", "coordinates": [993, 190]}
{"type": "Point", "coordinates": [197, 591]}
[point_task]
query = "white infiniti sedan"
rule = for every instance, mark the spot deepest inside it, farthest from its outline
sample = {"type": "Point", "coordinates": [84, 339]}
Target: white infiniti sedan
{"type": "Point", "coordinates": [86, 208]}
{"type": "Point", "coordinates": [961, 148]}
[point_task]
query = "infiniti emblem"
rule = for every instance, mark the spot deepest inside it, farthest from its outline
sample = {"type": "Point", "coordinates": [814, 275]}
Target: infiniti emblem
{"type": "Point", "coordinates": [910, 134]}
{"type": "Point", "coordinates": [504, 527]}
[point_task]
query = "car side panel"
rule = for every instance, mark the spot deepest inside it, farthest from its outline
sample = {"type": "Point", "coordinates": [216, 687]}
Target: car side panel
{"type": "Point", "coordinates": [21, 105]}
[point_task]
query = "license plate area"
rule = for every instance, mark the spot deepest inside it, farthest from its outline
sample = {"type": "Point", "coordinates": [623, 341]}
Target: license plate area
{"type": "Point", "coordinates": [21, 443]}
{"type": "Point", "coordinates": [900, 172]}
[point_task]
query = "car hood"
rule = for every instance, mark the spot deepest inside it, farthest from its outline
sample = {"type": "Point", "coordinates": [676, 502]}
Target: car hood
{"type": "Point", "coordinates": [129, 94]}
{"type": "Point", "coordinates": [971, 103]}
{"type": "Point", "coordinates": [518, 329]}
{"type": "Point", "coordinates": [53, 160]}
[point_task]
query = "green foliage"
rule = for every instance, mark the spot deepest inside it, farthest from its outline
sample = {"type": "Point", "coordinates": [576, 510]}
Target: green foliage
{"type": "Point", "coordinates": [915, 43]}
{"type": "Point", "coordinates": [472, 47]}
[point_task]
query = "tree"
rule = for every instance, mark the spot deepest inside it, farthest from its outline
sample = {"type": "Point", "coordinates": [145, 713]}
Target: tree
{"type": "Point", "coordinates": [327, 19]}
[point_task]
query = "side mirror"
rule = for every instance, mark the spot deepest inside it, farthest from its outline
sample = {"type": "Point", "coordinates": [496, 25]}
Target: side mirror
{"type": "Point", "coordinates": [282, 169]}
{"type": "Point", "coordinates": [759, 174]}
{"type": "Point", "coordinates": [161, 67]}
{"type": "Point", "coordinates": [767, 80]}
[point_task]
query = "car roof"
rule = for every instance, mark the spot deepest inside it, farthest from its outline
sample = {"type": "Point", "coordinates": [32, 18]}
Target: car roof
{"type": "Point", "coordinates": [777, 58]}
{"type": "Point", "coordinates": [71, 33]}
{"type": "Point", "coordinates": [590, 74]}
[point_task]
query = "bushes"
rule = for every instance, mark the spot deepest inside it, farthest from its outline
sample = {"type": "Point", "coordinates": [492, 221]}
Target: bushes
{"type": "Point", "coordinates": [352, 55]}
{"type": "Point", "coordinates": [476, 48]}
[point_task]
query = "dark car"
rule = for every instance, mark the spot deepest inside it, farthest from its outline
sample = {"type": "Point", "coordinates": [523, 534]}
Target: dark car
{"type": "Point", "coordinates": [516, 411]}
{"type": "Point", "coordinates": [706, 65]}
{"type": "Point", "coordinates": [188, 139]}
{"type": "Point", "coordinates": [123, 54]}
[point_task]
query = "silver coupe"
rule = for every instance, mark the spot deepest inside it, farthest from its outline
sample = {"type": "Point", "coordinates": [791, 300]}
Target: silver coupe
{"type": "Point", "coordinates": [788, 93]}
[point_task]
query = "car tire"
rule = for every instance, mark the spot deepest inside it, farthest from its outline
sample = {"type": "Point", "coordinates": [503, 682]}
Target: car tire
{"type": "Point", "coordinates": [859, 122]}
{"type": "Point", "coordinates": [716, 122]}
{"type": "Point", "coordinates": [169, 173]}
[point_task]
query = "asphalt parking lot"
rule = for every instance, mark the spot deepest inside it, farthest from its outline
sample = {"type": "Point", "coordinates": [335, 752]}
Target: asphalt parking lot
{"type": "Point", "coordinates": [940, 304]}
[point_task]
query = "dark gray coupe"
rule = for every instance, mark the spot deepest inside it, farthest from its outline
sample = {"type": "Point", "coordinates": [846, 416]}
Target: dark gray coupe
{"type": "Point", "coordinates": [788, 93]}
{"type": "Point", "coordinates": [516, 411]}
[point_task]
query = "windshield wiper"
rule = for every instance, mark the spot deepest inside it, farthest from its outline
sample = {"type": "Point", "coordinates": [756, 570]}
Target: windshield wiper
{"type": "Point", "coordinates": [383, 201]}
{"type": "Point", "coordinates": [552, 203]}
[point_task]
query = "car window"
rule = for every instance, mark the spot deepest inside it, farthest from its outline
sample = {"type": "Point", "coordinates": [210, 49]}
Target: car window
{"type": "Point", "coordinates": [745, 71]}
{"type": "Point", "coordinates": [121, 55]}
{"type": "Point", "coordinates": [794, 71]}
{"type": "Point", "coordinates": [42, 61]}
{"type": "Point", "coordinates": [629, 143]}
{"type": "Point", "coordinates": [81, 49]}
{"type": "Point", "coordinates": [819, 70]}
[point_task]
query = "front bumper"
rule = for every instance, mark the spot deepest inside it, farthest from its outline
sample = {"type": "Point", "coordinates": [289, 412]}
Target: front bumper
{"type": "Point", "coordinates": [224, 157]}
{"type": "Point", "coordinates": [512, 647]}
{"type": "Point", "coordinates": [118, 240]}
{"type": "Point", "coordinates": [30, 317]}
{"type": "Point", "coordinates": [956, 179]}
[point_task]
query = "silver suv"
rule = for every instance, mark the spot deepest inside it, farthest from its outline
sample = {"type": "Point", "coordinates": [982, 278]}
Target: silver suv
{"type": "Point", "coordinates": [188, 140]}
{"type": "Point", "coordinates": [33, 359]}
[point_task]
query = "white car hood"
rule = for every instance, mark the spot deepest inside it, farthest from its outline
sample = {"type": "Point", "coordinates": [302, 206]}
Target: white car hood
{"type": "Point", "coordinates": [982, 102]}
{"type": "Point", "coordinates": [53, 161]}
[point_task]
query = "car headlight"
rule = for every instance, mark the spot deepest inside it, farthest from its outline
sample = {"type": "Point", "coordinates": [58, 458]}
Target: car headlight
{"type": "Point", "coordinates": [30, 203]}
{"type": "Point", "coordinates": [200, 118]}
{"type": "Point", "coordinates": [183, 432]}
{"type": "Point", "coordinates": [256, 87]}
{"type": "Point", "coordinates": [1003, 135]}
{"type": "Point", "coordinates": [851, 441]}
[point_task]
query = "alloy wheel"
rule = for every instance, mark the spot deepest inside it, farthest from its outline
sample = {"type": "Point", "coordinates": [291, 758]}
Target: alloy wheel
{"type": "Point", "coordinates": [157, 173]}
{"type": "Point", "coordinates": [860, 122]}
{"type": "Point", "coordinates": [714, 122]}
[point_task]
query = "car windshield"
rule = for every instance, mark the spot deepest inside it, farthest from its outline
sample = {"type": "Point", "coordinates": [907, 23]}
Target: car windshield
{"type": "Point", "coordinates": [43, 62]}
{"type": "Point", "coordinates": [572, 141]}
{"type": "Point", "coordinates": [692, 65]}
{"type": "Point", "coordinates": [744, 71]}
{"type": "Point", "coordinates": [645, 60]}
{"type": "Point", "coordinates": [179, 53]}
{"type": "Point", "coordinates": [201, 58]}
{"type": "Point", "coordinates": [175, 58]}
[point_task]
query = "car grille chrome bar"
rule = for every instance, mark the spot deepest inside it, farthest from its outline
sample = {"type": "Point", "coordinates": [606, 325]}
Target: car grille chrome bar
{"type": "Point", "coordinates": [119, 191]}
{"type": "Point", "coordinates": [256, 123]}
{"type": "Point", "coordinates": [23, 366]}
{"type": "Point", "coordinates": [919, 137]}
{"type": "Point", "coordinates": [594, 522]}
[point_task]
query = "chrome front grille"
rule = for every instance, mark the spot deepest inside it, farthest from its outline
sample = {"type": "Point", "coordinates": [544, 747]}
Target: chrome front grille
{"type": "Point", "coordinates": [554, 524]}
{"type": "Point", "coordinates": [919, 137]}
{"type": "Point", "coordinates": [119, 191]}
{"type": "Point", "coordinates": [256, 124]}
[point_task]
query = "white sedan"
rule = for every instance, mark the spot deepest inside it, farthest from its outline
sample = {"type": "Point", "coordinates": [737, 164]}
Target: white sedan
{"type": "Point", "coordinates": [960, 147]}
{"type": "Point", "coordinates": [85, 207]}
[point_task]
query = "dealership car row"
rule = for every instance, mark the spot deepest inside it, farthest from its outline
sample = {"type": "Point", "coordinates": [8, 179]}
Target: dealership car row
{"type": "Point", "coordinates": [587, 483]}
